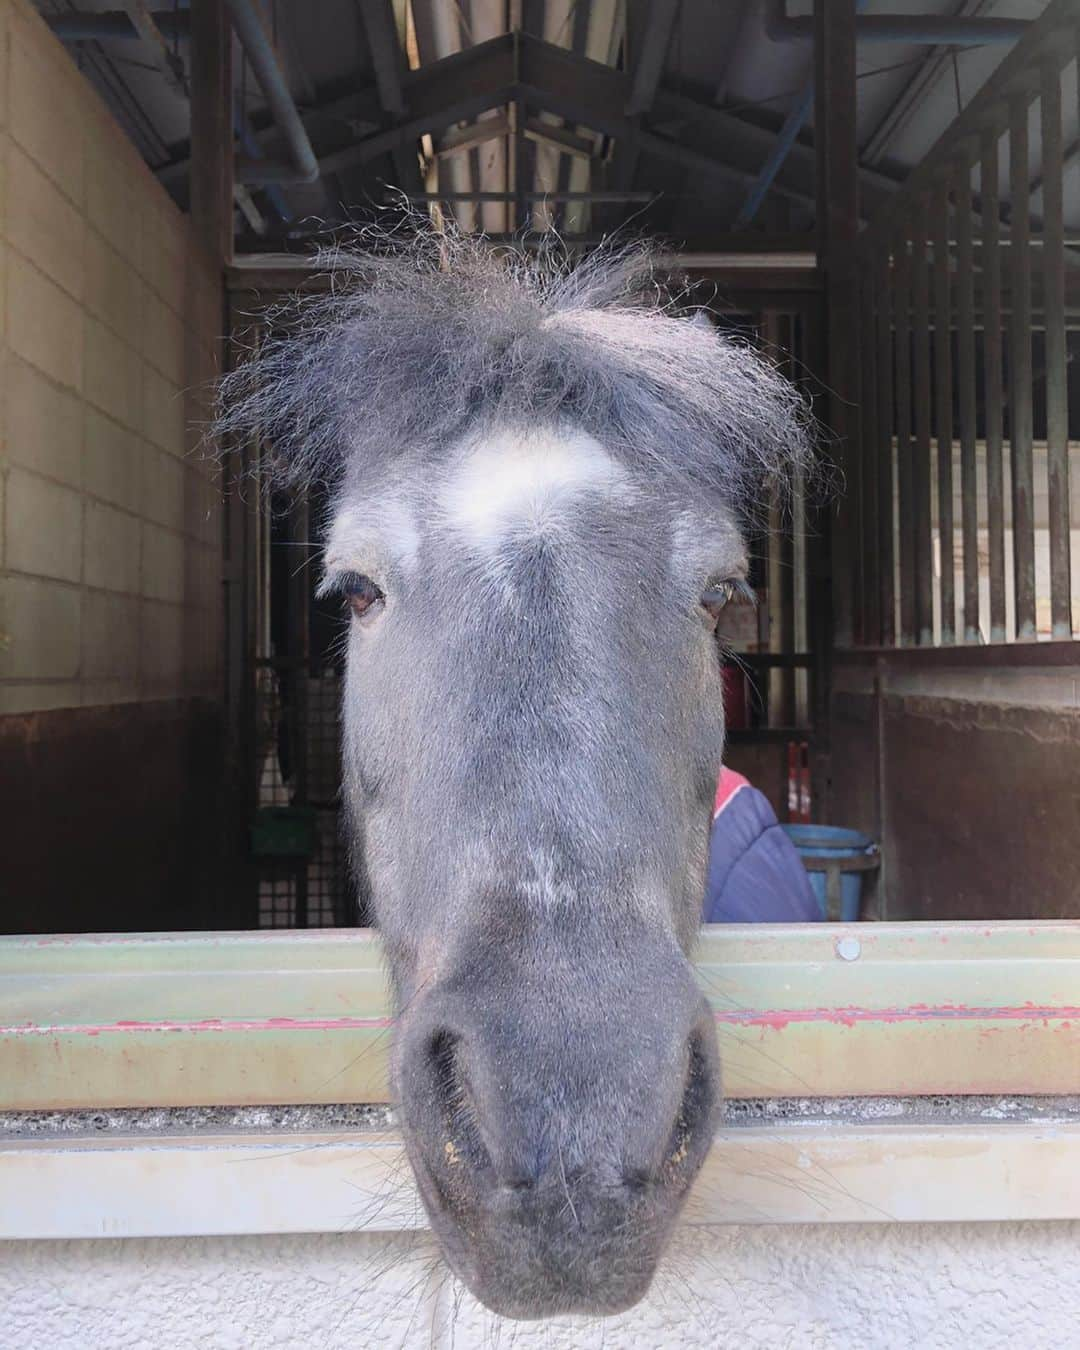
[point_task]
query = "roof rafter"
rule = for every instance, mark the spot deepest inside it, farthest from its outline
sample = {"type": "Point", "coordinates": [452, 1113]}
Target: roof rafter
{"type": "Point", "coordinates": [388, 61]}
{"type": "Point", "coordinates": [649, 65]}
{"type": "Point", "coordinates": [459, 139]}
{"type": "Point", "coordinates": [457, 88]}
{"type": "Point", "coordinates": [386, 57]}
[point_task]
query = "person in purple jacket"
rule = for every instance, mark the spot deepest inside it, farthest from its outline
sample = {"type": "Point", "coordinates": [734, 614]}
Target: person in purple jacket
{"type": "Point", "coordinates": [755, 874]}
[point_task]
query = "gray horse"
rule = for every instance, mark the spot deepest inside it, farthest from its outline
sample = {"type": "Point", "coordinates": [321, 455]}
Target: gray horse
{"type": "Point", "coordinates": [537, 478]}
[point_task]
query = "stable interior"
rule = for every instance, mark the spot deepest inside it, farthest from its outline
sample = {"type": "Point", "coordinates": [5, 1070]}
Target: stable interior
{"type": "Point", "coordinates": [887, 203]}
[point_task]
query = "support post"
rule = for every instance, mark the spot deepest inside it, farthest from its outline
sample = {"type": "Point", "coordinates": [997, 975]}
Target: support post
{"type": "Point", "coordinates": [838, 223]}
{"type": "Point", "coordinates": [211, 206]}
{"type": "Point", "coordinates": [211, 130]}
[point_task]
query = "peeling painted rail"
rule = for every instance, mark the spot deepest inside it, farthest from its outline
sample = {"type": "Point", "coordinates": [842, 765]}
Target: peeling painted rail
{"type": "Point", "coordinates": [268, 1018]}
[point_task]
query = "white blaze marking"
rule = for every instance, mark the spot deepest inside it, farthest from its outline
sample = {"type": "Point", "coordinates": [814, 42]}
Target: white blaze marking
{"type": "Point", "coordinates": [515, 480]}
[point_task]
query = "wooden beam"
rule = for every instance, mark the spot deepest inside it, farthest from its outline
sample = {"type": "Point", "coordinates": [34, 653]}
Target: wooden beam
{"type": "Point", "coordinates": [566, 141]}
{"type": "Point", "coordinates": [649, 62]}
{"type": "Point", "coordinates": [386, 55]}
{"type": "Point", "coordinates": [600, 195]}
{"type": "Point", "coordinates": [455, 89]}
{"type": "Point", "coordinates": [459, 140]}
{"type": "Point", "coordinates": [211, 171]}
{"type": "Point", "coordinates": [707, 140]}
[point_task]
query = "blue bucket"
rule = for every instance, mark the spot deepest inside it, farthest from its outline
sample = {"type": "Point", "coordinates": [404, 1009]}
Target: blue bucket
{"type": "Point", "coordinates": [833, 844]}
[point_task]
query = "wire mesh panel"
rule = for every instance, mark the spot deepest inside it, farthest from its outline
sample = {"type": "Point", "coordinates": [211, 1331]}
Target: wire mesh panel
{"type": "Point", "coordinates": [298, 844]}
{"type": "Point", "coordinates": [298, 850]}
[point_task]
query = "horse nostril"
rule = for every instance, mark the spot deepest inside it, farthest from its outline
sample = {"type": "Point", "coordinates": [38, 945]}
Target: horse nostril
{"type": "Point", "coordinates": [445, 1080]}
{"type": "Point", "coordinates": [696, 1107]}
{"type": "Point", "coordinates": [459, 1138]}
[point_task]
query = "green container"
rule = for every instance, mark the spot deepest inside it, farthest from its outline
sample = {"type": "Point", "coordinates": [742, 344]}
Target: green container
{"type": "Point", "coordinates": [284, 832]}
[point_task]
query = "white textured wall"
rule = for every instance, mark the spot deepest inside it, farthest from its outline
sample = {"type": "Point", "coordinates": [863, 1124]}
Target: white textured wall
{"type": "Point", "coordinates": [868, 1287]}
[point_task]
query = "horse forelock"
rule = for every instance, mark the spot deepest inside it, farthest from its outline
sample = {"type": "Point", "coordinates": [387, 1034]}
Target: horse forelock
{"type": "Point", "coordinates": [419, 344]}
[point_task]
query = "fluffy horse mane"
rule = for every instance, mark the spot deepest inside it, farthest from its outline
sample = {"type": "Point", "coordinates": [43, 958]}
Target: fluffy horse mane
{"type": "Point", "coordinates": [423, 338]}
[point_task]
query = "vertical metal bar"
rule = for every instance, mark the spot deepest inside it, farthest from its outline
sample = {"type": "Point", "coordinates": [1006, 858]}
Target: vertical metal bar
{"type": "Point", "coordinates": [801, 586]}
{"type": "Point", "coordinates": [886, 418]}
{"type": "Point", "coordinates": [772, 612]}
{"type": "Point", "coordinates": [1021, 430]}
{"type": "Point", "coordinates": [211, 212]}
{"type": "Point", "coordinates": [787, 553]}
{"type": "Point", "coordinates": [870, 593]}
{"type": "Point", "coordinates": [904, 480]}
{"type": "Point", "coordinates": [990, 258]}
{"type": "Point", "coordinates": [1057, 398]}
{"type": "Point", "coordinates": [299, 678]}
{"type": "Point", "coordinates": [965, 325]}
{"type": "Point", "coordinates": [819, 608]}
{"type": "Point", "coordinates": [519, 160]}
{"type": "Point", "coordinates": [943, 409]}
{"type": "Point", "coordinates": [924, 557]}
{"type": "Point", "coordinates": [837, 212]}
{"type": "Point", "coordinates": [241, 521]}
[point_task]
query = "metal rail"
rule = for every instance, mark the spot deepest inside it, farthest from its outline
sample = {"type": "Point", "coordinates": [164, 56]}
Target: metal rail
{"type": "Point", "coordinates": [824, 1010]}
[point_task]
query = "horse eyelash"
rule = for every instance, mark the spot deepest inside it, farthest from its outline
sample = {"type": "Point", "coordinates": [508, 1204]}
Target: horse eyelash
{"type": "Point", "coordinates": [742, 590]}
{"type": "Point", "coordinates": [339, 584]}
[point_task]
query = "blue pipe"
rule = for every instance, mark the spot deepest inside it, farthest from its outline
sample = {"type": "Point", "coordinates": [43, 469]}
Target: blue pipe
{"type": "Point", "coordinates": [793, 124]}
{"type": "Point", "coordinates": [260, 52]}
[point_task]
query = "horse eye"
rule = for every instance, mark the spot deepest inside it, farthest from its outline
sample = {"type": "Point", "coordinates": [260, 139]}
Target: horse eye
{"type": "Point", "coordinates": [717, 594]}
{"type": "Point", "coordinates": [361, 593]}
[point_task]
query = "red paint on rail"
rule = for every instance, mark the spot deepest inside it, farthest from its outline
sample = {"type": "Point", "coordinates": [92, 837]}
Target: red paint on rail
{"type": "Point", "coordinates": [775, 1019]}
{"type": "Point", "coordinates": [205, 1024]}
{"type": "Point", "coordinates": [778, 1018]}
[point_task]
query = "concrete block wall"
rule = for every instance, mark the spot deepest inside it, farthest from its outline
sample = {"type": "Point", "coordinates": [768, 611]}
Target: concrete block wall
{"type": "Point", "coordinates": [109, 328]}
